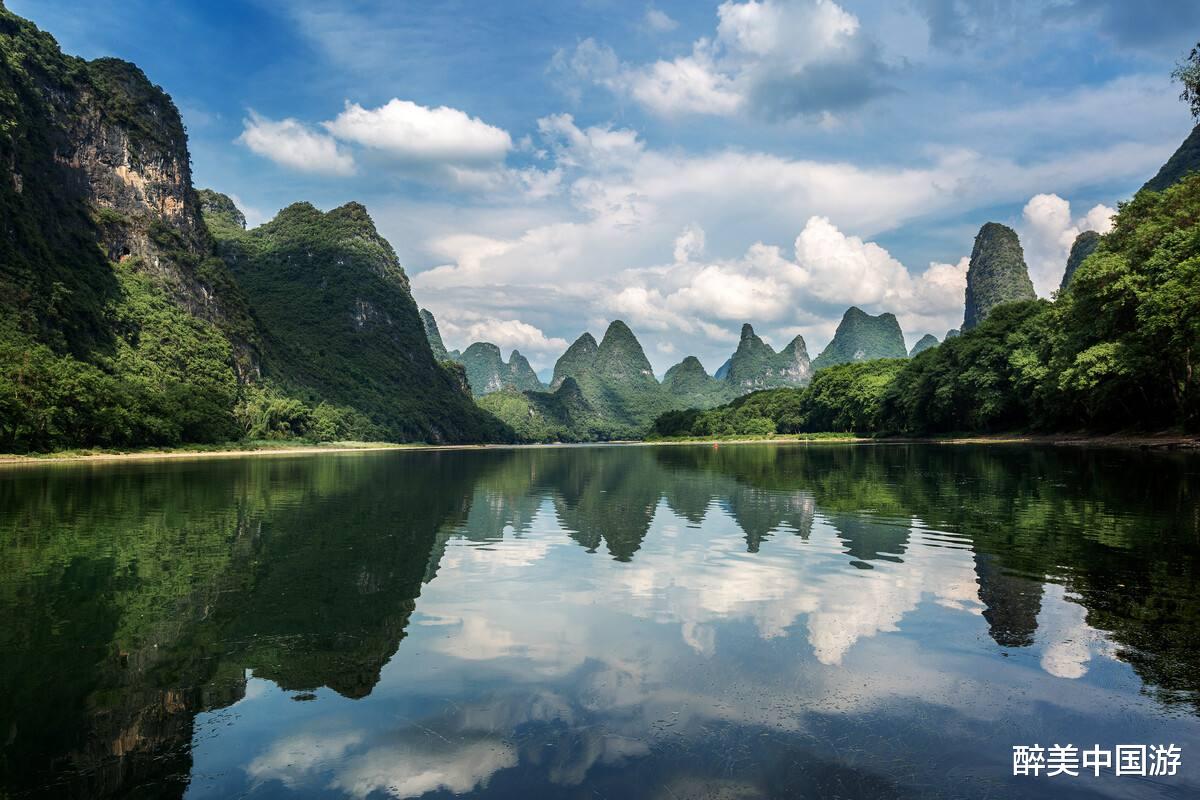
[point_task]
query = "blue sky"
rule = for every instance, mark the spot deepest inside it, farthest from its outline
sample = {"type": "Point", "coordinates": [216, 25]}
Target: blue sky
{"type": "Point", "coordinates": [544, 168]}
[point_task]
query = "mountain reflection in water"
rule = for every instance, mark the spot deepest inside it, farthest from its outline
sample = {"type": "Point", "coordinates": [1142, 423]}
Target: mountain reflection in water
{"type": "Point", "coordinates": [742, 622]}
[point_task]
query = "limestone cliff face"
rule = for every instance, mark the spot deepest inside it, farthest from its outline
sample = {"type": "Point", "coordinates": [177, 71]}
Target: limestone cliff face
{"type": "Point", "coordinates": [128, 143]}
{"type": "Point", "coordinates": [487, 371]}
{"type": "Point", "coordinates": [98, 149]}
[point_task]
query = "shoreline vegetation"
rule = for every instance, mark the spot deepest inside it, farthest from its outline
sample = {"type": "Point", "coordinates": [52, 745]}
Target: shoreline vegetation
{"type": "Point", "coordinates": [1170, 440]}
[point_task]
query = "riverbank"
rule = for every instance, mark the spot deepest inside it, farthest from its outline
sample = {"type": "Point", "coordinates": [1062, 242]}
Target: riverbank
{"type": "Point", "coordinates": [226, 449]}
{"type": "Point", "coordinates": [1153, 441]}
{"type": "Point", "coordinates": [1161, 441]}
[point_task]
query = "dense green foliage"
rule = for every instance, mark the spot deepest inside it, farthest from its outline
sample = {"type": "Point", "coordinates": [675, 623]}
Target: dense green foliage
{"type": "Point", "coordinates": [1116, 350]}
{"type": "Point", "coordinates": [342, 328]}
{"type": "Point", "coordinates": [862, 337]}
{"type": "Point", "coordinates": [997, 273]}
{"type": "Point", "coordinates": [842, 398]}
{"type": "Point", "coordinates": [982, 380]}
{"type": "Point", "coordinates": [563, 415]}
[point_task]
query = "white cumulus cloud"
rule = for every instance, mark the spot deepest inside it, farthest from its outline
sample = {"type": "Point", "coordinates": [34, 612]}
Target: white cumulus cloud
{"type": "Point", "coordinates": [408, 131]}
{"type": "Point", "coordinates": [292, 144]}
{"type": "Point", "coordinates": [1048, 232]}
{"type": "Point", "coordinates": [776, 58]}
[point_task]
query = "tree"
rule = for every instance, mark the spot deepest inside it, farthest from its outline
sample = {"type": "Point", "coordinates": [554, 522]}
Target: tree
{"type": "Point", "coordinates": [1187, 72]}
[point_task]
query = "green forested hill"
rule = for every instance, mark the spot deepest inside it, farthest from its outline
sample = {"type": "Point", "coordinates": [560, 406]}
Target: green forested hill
{"type": "Point", "coordinates": [924, 343]}
{"type": "Point", "coordinates": [997, 273]}
{"type": "Point", "coordinates": [689, 382]}
{"type": "Point", "coordinates": [117, 324]}
{"type": "Point", "coordinates": [122, 325]}
{"type": "Point", "coordinates": [1116, 350]}
{"type": "Point", "coordinates": [1183, 161]}
{"type": "Point", "coordinates": [488, 372]}
{"type": "Point", "coordinates": [862, 337]}
{"type": "Point", "coordinates": [755, 365]}
{"type": "Point", "coordinates": [340, 324]}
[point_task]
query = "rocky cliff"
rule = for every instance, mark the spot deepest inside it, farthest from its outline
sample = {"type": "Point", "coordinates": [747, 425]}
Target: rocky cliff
{"type": "Point", "coordinates": [110, 292]}
{"type": "Point", "coordinates": [755, 364]}
{"type": "Point", "coordinates": [862, 337]}
{"type": "Point", "coordinates": [997, 273]}
{"type": "Point", "coordinates": [487, 371]}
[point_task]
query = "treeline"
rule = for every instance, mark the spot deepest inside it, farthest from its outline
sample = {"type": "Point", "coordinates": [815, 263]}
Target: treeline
{"type": "Point", "coordinates": [1118, 348]}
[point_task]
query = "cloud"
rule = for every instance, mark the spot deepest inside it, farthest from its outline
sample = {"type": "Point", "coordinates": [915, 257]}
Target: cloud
{"type": "Point", "coordinates": [1048, 233]}
{"type": "Point", "coordinates": [658, 21]}
{"type": "Point", "coordinates": [292, 144]}
{"type": "Point", "coordinates": [441, 146]}
{"type": "Point", "coordinates": [775, 58]}
{"type": "Point", "coordinates": [399, 765]}
{"type": "Point", "coordinates": [787, 242]}
{"type": "Point", "coordinates": [686, 85]}
{"type": "Point", "coordinates": [461, 328]}
{"type": "Point", "coordinates": [411, 132]}
{"type": "Point", "coordinates": [689, 243]}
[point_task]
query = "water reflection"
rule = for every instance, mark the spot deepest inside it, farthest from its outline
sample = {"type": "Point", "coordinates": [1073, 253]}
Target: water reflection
{"type": "Point", "coordinates": [679, 621]}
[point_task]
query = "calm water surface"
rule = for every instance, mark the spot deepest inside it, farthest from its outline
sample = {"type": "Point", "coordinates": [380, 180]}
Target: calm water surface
{"type": "Point", "coordinates": [598, 622]}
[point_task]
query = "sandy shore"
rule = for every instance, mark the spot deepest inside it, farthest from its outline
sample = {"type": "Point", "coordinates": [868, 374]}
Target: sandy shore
{"type": "Point", "coordinates": [1165, 441]}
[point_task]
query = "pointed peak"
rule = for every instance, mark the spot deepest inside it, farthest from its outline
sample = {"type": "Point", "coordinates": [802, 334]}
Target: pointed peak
{"type": "Point", "coordinates": [797, 344]}
{"type": "Point", "coordinates": [585, 340]}
{"type": "Point", "coordinates": [747, 331]}
{"type": "Point", "coordinates": [617, 329]}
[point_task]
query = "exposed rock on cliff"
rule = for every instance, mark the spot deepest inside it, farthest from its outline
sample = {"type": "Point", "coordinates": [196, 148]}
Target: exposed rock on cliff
{"type": "Point", "coordinates": [755, 365]}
